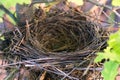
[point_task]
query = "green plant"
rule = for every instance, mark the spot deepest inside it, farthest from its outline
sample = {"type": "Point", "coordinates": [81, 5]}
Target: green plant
{"type": "Point", "coordinates": [116, 2]}
{"type": "Point", "coordinates": [112, 52]}
{"type": "Point", "coordinates": [5, 5]}
{"type": "Point", "coordinates": [11, 3]}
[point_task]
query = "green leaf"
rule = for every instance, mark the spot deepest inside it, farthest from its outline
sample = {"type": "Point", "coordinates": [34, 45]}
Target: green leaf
{"type": "Point", "coordinates": [107, 54]}
{"type": "Point", "coordinates": [116, 2]}
{"type": "Point", "coordinates": [110, 70]}
{"type": "Point", "coordinates": [9, 3]}
{"type": "Point", "coordinates": [114, 56]}
{"type": "Point", "coordinates": [114, 37]}
{"type": "Point", "coordinates": [112, 52]}
{"type": "Point", "coordinates": [1, 13]}
{"type": "Point", "coordinates": [100, 56]}
{"type": "Point", "coordinates": [114, 42]}
{"type": "Point", "coordinates": [2, 38]}
{"type": "Point", "coordinates": [78, 2]}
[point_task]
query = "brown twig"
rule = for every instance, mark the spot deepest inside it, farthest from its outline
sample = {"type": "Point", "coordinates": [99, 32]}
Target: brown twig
{"type": "Point", "coordinates": [102, 5]}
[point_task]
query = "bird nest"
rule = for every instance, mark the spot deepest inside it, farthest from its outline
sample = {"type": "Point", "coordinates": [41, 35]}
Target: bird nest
{"type": "Point", "coordinates": [66, 31]}
{"type": "Point", "coordinates": [56, 42]}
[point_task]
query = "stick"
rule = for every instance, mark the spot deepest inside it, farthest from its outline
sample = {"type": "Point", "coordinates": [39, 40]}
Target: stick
{"type": "Point", "coordinates": [102, 5]}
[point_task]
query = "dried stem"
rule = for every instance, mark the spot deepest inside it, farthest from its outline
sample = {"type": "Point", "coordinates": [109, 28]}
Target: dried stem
{"type": "Point", "coordinates": [102, 5]}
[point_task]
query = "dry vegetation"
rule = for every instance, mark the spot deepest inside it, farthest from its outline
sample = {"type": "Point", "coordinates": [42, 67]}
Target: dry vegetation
{"type": "Point", "coordinates": [60, 44]}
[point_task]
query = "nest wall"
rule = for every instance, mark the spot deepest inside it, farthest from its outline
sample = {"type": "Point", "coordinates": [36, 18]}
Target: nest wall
{"type": "Point", "coordinates": [56, 38]}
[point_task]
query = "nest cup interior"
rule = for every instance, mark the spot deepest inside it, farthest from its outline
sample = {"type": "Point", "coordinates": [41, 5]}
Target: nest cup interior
{"type": "Point", "coordinates": [66, 31]}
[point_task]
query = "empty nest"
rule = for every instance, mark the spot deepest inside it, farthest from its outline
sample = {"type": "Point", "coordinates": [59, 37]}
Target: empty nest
{"type": "Point", "coordinates": [66, 32]}
{"type": "Point", "coordinates": [55, 38]}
